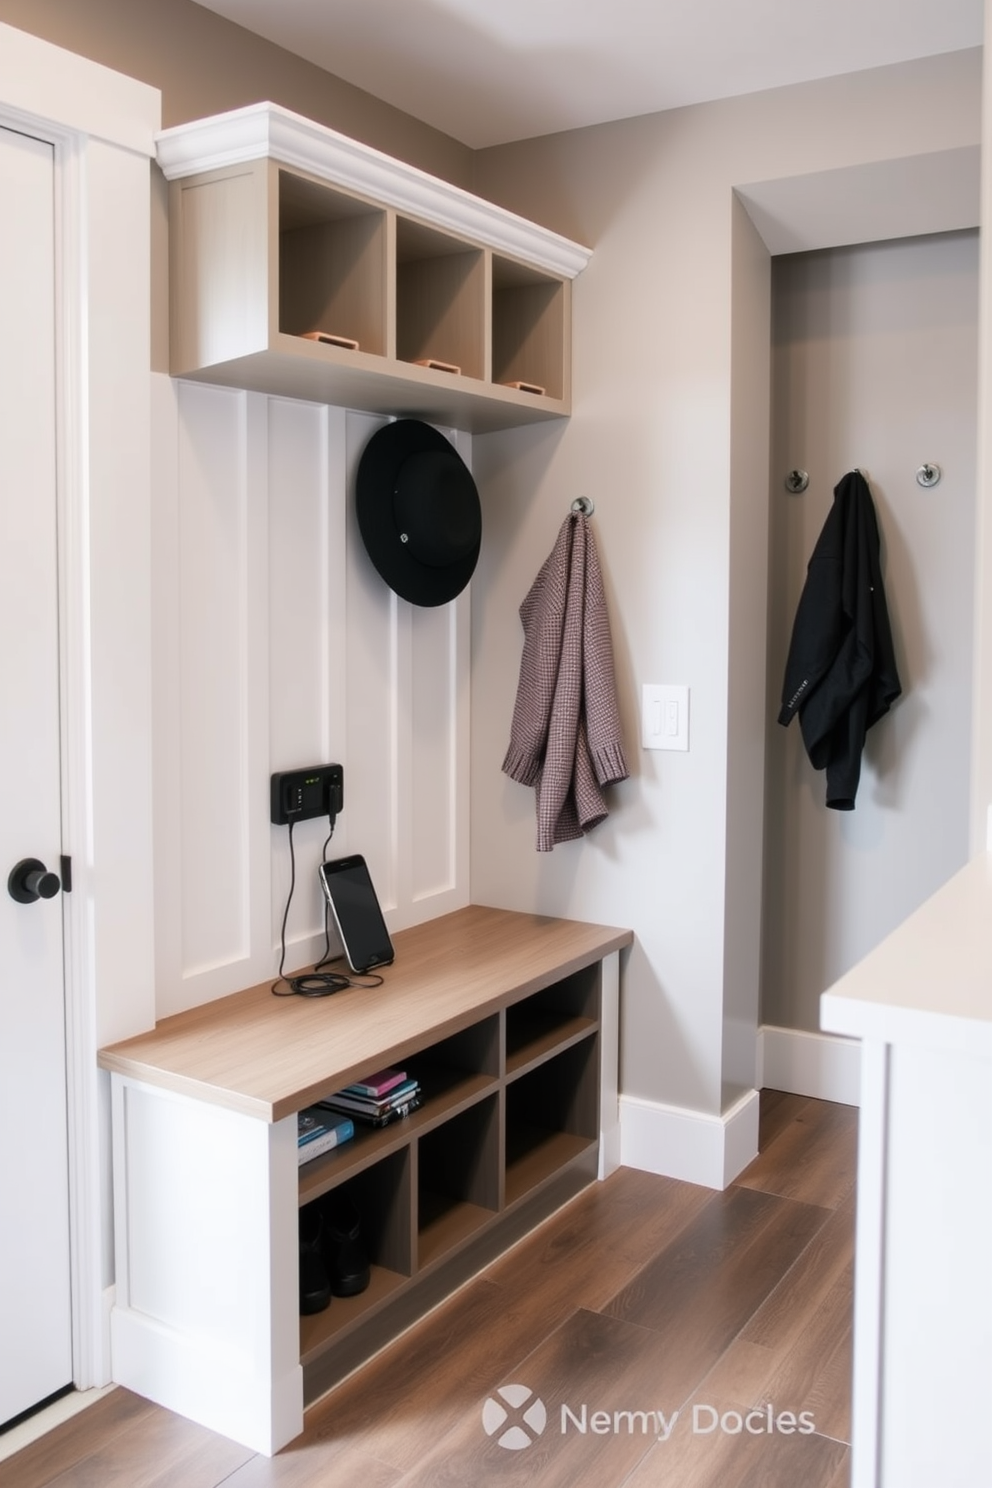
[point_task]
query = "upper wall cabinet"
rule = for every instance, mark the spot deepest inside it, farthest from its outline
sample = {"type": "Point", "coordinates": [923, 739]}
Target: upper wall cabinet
{"type": "Point", "coordinates": [308, 265]}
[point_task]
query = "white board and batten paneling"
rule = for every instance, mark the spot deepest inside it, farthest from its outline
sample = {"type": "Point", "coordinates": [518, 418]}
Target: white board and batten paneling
{"type": "Point", "coordinates": [279, 646]}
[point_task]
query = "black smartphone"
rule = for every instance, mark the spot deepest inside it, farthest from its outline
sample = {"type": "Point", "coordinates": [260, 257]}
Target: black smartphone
{"type": "Point", "coordinates": [349, 891]}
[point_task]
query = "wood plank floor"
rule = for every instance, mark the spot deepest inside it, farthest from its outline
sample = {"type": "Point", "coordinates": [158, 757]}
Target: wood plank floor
{"type": "Point", "coordinates": [642, 1299]}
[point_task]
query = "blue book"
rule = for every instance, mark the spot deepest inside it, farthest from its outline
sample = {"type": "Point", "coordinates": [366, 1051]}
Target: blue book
{"type": "Point", "coordinates": [319, 1130]}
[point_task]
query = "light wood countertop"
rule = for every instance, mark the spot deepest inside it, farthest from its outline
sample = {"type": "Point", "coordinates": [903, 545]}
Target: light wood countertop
{"type": "Point", "coordinates": [267, 1056]}
{"type": "Point", "coordinates": [930, 981]}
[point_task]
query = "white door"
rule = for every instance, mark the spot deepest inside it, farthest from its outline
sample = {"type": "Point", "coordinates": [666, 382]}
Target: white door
{"type": "Point", "coordinates": [35, 1323]}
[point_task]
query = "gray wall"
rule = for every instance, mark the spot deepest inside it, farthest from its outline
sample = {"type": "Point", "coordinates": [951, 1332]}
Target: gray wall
{"type": "Point", "coordinates": [874, 366]}
{"type": "Point", "coordinates": [666, 435]}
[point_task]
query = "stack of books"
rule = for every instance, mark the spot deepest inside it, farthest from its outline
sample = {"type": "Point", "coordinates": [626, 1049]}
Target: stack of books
{"type": "Point", "coordinates": [377, 1099]}
{"type": "Point", "coordinates": [318, 1130]}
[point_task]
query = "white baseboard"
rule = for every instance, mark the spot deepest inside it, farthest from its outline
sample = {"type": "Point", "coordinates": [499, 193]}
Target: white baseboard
{"type": "Point", "coordinates": [689, 1145]}
{"type": "Point", "coordinates": [815, 1064]}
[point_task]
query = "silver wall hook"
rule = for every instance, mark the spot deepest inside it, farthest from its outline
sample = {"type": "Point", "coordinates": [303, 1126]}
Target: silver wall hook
{"type": "Point", "coordinates": [583, 506]}
{"type": "Point", "coordinates": [796, 482]}
{"type": "Point", "coordinates": [929, 475]}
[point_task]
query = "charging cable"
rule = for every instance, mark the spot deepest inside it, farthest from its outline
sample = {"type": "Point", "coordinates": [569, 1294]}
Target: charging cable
{"type": "Point", "coordinates": [316, 983]}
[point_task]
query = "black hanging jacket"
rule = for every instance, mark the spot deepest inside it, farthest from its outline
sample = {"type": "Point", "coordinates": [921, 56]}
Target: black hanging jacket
{"type": "Point", "coordinates": [841, 672]}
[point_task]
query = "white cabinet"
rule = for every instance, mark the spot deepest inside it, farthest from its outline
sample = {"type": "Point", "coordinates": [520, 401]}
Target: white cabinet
{"type": "Point", "coordinates": [922, 1005]}
{"type": "Point", "coordinates": [509, 1021]}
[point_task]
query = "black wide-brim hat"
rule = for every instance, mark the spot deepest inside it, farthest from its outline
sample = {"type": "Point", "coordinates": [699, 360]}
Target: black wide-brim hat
{"type": "Point", "coordinates": [418, 512]}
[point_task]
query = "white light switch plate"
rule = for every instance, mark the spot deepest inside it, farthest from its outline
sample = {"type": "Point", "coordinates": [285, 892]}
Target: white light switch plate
{"type": "Point", "coordinates": [664, 716]}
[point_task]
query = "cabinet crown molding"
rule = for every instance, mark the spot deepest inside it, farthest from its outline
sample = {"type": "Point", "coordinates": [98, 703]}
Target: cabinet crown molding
{"type": "Point", "coordinates": [267, 129]}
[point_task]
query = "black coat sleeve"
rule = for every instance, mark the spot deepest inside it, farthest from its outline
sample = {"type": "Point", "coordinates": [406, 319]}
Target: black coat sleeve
{"type": "Point", "coordinates": [840, 675]}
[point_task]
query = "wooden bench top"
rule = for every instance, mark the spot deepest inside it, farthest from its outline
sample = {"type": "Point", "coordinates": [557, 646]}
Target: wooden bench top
{"type": "Point", "coordinates": [268, 1056]}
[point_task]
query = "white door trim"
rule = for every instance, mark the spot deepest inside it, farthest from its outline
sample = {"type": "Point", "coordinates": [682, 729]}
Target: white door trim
{"type": "Point", "coordinates": [90, 1353]}
{"type": "Point", "coordinates": [102, 128]}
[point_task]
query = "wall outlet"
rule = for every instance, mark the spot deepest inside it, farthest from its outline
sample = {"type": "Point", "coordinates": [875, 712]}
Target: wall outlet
{"type": "Point", "coordinates": [664, 716]}
{"type": "Point", "coordinates": [297, 795]}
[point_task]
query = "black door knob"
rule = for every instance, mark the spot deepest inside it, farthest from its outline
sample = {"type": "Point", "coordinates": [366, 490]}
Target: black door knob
{"type": "Point", "coordinates": [30, 880]}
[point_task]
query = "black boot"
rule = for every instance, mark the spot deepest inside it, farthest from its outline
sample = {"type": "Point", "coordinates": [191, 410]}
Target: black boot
{"type": "Point", "coordinates": [315, 1287]}
{"type": "Point", "coordinates": [344, 1249]}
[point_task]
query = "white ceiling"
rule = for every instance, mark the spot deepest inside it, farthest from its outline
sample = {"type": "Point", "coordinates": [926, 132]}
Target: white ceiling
{"type": "Point", "coordinates": [488, 71]}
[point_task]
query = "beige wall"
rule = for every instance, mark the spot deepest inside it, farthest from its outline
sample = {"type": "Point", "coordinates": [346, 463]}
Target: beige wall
{"type": "Point", "coordinates": [671, 350]}
{"type": "Point", "coordinates": [874, 365]}
{"type": "Point", "coordinates": [661, 362]}
{"type": "Point", "coordinates": [981, 755]}
{"type": "Point", "coordinates": [204, 65]}
{"type": "Point", "coordinates": [748, 563]}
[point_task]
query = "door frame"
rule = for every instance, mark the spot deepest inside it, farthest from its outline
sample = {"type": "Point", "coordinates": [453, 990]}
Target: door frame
{"type": "Point", "coordinates": [102, 128]}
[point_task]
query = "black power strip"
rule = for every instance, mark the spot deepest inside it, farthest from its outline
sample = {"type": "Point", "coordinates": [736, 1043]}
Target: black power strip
{"type": "Point", "coordinates": [297, 795]}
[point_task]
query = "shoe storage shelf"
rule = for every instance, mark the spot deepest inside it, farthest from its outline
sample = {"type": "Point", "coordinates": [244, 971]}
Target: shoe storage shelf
{"type": "Point", "coordinates": [280, 227]}
{"type": "Point", "coordinates": [510, 1023]}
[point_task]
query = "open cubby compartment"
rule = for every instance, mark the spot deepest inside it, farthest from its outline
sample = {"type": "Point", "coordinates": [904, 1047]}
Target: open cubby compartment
{"type": "Point", "coordinates": [381, 1193]}
{"type": "Point", "coordinates": [458, 1180]}
{"type": "Point", "coordinates": [529, 321]}
{"type": "Point", "coordinates": [332, 263]}
{"type": "Point", "coordinates": [369, 1145]}
{"type": "Point", "coordinates": [539, 1025]}
{"type": "Point", "coordinates": [552, 1117]}
{"type": "Point", "coordinates": [440, 299]}
{"type": "Point", "coordinates": [457, 1070]}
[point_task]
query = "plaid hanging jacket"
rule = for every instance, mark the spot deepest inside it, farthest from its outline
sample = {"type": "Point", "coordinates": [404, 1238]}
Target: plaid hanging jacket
{"type": "Point", "coordinates": [565, 736]}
